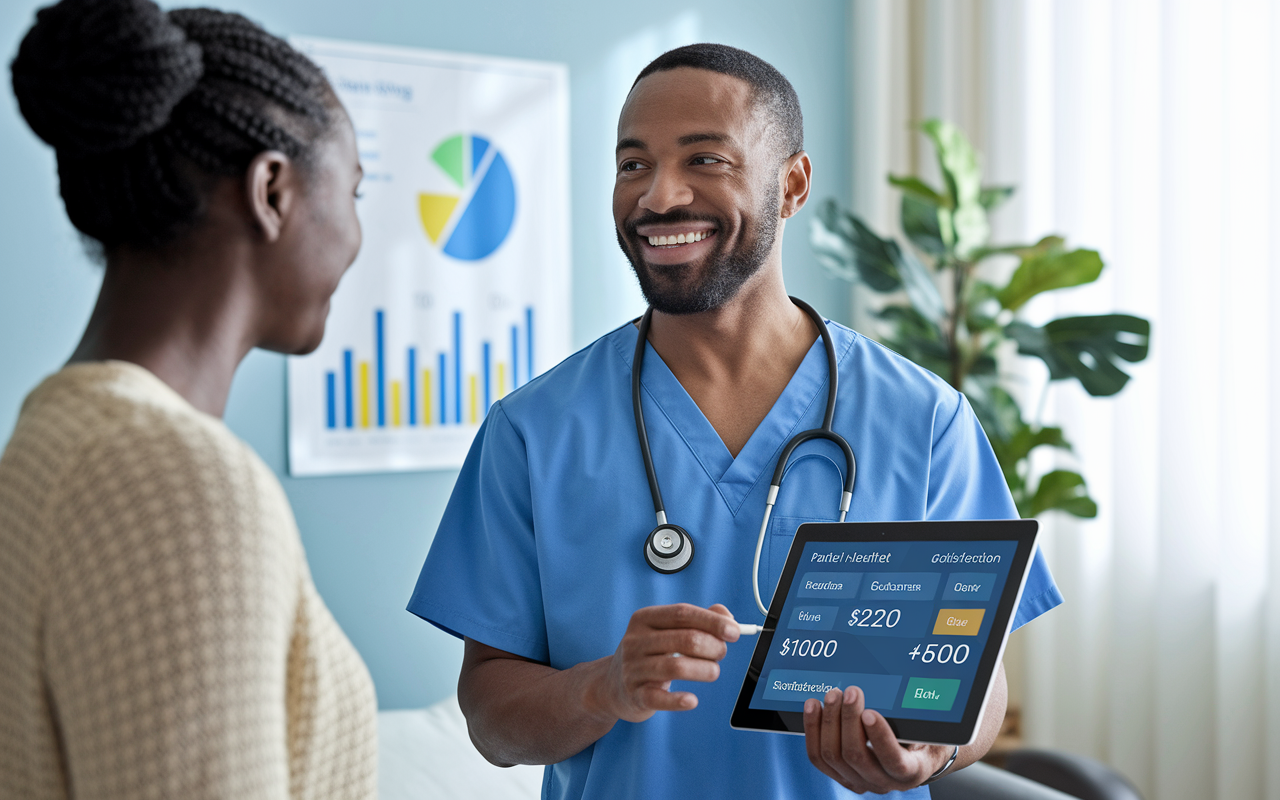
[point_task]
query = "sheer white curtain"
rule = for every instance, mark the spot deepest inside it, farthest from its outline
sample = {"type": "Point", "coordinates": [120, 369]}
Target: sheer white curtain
{"type": "Point", "coordinates": [1147, 130]}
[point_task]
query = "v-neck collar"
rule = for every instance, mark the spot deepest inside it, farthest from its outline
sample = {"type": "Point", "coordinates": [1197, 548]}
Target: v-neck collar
{"type": "Point", "coordinates": [734, 477]}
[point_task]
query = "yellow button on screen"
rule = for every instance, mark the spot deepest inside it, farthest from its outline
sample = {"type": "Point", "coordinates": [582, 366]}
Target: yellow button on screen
{"type": "Point", "coordinates": [958, 621]}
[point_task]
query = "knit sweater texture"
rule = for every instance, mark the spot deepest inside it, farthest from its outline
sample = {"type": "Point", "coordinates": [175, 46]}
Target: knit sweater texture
{"type": "Point", "coordinates": [160, 634]}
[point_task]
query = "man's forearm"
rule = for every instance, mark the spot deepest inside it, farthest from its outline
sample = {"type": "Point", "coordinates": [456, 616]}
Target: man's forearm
{"type": "Point", "coordinates": [522, 712]}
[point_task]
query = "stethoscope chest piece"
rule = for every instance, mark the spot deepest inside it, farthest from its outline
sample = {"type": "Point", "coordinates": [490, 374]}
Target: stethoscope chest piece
{"type": "Point", "coordinates": [669, 548]}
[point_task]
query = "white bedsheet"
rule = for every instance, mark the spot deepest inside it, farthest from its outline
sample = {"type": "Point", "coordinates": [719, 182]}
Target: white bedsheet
{"type": "Point", "coordinates": [427, 754]}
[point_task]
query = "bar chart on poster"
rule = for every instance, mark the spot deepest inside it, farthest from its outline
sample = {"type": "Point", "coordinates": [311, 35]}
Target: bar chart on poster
{"type": "Point", "coordinates": [460, 294]}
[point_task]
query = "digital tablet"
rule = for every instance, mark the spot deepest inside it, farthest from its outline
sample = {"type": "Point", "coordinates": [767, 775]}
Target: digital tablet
{"type": "Point", "coordinates": [916, 614]}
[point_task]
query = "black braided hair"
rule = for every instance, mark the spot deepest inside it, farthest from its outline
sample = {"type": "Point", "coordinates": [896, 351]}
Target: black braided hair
{"type": "Point", "coordinates": [143, 106]}
{"type": "Point", "coordinates": [770, 87]}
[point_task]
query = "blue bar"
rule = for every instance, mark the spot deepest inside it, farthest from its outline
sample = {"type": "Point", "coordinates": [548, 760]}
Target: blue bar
{"type": "Point", "coordinates": [331, 391]}
{"type": "Point", "coordinates": [348, 407]}
{"type": "Point", "coordinates": [382, 371]}
{"type": "Point", "coordinates": [412, 382]}
{"type": "Point", "coordinates": [486, 378]}
{"type": "Point", "coordinates": [443, 394]}
{"type": "Point", "coordinates": [515, 357]}
{"type": "Point", "coordinates": [528, 324]}
{"type": "Point", "coordinates": [457, 367]}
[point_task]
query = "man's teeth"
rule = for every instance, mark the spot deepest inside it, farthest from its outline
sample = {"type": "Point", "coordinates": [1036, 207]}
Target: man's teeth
{"type": "Point", "coordinates": [679, 238]}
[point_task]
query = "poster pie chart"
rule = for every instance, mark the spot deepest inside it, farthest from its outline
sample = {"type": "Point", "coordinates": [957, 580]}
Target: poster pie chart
{"type": "Point", "coordinates": [473, 222]}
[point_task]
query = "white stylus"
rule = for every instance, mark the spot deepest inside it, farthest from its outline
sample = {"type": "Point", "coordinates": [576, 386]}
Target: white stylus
{"type": "Point", "coordinates": [748, 630]}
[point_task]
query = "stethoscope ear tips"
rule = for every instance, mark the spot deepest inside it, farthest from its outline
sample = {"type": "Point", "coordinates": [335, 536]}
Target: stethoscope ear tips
{"type": "Point", "coordinates": [668, 549]}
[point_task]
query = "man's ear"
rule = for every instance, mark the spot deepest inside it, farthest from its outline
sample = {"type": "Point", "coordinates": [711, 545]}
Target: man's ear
{"type": "Point", "coordinates": [271, 182]}
{"type": "Point", "coordinates": [796, 175]}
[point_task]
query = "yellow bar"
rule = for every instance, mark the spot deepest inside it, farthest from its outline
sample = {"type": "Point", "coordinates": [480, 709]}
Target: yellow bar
{"type": "Point", "coordinates": [502, 379]}
{"type": "Point", "coordinates": [364, 394]}
{"type": "Point", "coordinates": [395, 404]}
{"type": "Point", "coordinates": [426, 397]}
{"type": "Point", "coordinates": [473, 399]}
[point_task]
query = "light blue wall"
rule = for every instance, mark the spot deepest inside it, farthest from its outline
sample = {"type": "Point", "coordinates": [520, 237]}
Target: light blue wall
{"type": "Point", "coordinates": [366, 536]}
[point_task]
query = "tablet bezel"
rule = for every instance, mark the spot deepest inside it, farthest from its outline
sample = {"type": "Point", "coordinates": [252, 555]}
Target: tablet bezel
{"type": "Point", "coordinates": [1022, 531]}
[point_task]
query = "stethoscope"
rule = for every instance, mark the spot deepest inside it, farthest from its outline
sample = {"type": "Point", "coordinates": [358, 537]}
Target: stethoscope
{"type": "Point", "coordinates": [669, 548]}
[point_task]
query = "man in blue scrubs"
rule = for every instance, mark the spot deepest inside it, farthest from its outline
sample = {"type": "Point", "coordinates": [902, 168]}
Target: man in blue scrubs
{"type": "Point", "coordinates": [570, 635]}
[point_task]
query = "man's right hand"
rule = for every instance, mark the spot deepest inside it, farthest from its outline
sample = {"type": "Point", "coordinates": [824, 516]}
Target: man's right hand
{"type": "Point", "coordinates": [662, 644]}
{"type": "Point", "coordinates": [521, 712]}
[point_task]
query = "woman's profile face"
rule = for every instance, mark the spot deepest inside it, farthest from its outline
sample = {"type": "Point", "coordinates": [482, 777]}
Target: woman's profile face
{"type": "Point", "coordinates": [321, 240]}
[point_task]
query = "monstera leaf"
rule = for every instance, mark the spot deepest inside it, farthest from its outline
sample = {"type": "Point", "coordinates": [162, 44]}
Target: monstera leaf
{"type": "Point", "coordinates": [1086, 348]}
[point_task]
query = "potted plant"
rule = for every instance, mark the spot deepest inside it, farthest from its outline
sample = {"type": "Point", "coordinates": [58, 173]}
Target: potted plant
{"type": "Point", "coordinates": [961, 331]}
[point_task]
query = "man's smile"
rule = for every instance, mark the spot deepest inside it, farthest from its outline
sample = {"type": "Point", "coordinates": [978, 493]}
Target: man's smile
{"type": "Point", "coordinates": [670, 243]}
{"type": "Point", "coordinates": [679, 238]}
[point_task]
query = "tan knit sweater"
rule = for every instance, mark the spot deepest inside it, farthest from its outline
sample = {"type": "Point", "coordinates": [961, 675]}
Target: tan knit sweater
{"type": "Point", "coordinates": [160, 635]}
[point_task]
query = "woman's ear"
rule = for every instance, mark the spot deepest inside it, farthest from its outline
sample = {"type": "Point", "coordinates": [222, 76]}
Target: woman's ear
{"type": "Point", "coordinates": [796, 176]}
{"type": "Point", "coordinates": [272, 185]}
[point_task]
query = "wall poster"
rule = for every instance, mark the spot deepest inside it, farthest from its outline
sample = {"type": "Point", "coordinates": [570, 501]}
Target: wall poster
{"type": "Point", "coordinates": [461, 290]}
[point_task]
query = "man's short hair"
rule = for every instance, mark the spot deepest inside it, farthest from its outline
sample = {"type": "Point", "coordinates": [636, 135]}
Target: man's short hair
{"type": "Point", "coordinates": [770, 88]}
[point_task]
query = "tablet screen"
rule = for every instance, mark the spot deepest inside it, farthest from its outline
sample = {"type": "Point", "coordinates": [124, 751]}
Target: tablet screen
{"type": "Point", "coordinates": [907, 620]}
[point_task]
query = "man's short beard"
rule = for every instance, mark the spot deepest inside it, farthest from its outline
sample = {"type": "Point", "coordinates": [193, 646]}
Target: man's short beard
{"type": "Point", "coordinates": [662, 284]}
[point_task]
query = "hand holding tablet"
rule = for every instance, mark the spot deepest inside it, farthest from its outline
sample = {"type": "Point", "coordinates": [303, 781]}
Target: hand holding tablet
{"type": "Point", "coordinates": [855, 747]}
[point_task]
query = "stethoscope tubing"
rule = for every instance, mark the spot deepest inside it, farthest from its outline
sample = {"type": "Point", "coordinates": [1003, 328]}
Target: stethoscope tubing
{"type": "Point", "coordinates": [825, 432]}
{"type": "Point", "coordinates": [641, 432]}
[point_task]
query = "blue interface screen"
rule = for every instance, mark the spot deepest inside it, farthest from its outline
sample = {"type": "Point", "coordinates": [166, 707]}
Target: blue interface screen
{"type": "Point", "coordinates": [907, 622]}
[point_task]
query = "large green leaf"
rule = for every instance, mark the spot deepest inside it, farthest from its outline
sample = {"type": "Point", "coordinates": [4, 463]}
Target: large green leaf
{"type": "Point", "coordinates": [920, 223]}
{"type": "Point", "coordinates": [913, 186]}
{"type": "Point", "coordinates": [1086, 348]}
{"type": "Point", "coordinates": [1048, 244]}
{"type": "Point", "coordinates": [1048, 270]}
{"type": "Point", "coordinates": [1062, 490]}
{"type": "Point", "coordinates": [848, 248]}
{"type": "Point", "coordinates": [959, 164]}
{"type": "Point", "coordinates": [916, 338]}
{"type": "Point", "coordinates": [918, 283]}
{"type": "Point", "coordinates": [1020, 445]}
{"type": "Point", "coordinates": [910, 322]}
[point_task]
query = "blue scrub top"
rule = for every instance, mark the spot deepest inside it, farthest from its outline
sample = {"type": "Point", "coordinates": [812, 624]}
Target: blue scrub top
{"type": "Point", "coordinates": [539, 552]}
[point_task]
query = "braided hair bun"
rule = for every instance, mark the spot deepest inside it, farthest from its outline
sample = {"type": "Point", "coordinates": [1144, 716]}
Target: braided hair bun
{"type": "Point", "coordinates": [94, 76]}
{"type": "Point", "coordinates": [143, 108]}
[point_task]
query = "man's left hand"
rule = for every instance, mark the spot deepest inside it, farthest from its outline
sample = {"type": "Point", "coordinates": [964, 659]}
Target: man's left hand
{"type": "Point", "coordinates": [837, 732]}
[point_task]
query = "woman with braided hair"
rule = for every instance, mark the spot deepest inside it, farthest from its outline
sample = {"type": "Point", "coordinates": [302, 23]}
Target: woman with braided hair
{"type": "Point", "coordinates": [160, 634]}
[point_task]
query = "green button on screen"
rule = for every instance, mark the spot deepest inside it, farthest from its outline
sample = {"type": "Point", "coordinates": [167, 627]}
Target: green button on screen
{"type": "Point", "coordinates": [933, 694]}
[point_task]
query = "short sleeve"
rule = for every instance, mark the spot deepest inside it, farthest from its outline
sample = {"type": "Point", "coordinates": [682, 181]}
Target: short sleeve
{"type": "Point", "coordinates": [481, 577]}
{"type": "Point", "coordinates": [965, 482]}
